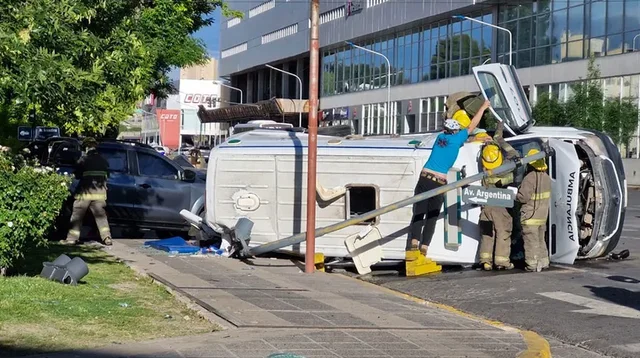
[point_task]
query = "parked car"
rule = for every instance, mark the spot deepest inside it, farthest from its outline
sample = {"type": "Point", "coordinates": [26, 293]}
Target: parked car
{"type": "Point", "coordinates": [145, 189]}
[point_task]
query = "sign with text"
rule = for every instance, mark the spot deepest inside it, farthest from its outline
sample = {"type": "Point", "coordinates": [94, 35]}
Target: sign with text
{"type": "Point", "coordinates": [25, 133]}
{"type": "Point", "coordinates": [488, 196]}
{"type": "Point", "coordinates": [42, 133]}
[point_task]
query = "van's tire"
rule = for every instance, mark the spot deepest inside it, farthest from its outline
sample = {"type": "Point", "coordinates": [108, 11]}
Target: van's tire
{"type": "Point", "coordinates": [336, 131]}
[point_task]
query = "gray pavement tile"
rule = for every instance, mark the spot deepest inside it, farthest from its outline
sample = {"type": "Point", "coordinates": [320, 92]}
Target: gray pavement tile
{"type": "Point", "coordinates": [208, 351]}
{"type": "Point", "coordinates": [343, 319]}
{"type": "Point", "coordinates": [307, 304]}
{"type": "Point", "coordinates": [331, 336]}
{"type": "Point", "coordinates": [301, 318]}
{"type": "Point", "coordinates": [292, 345]}
{"type": "Point", "coordinates": [376, 336]}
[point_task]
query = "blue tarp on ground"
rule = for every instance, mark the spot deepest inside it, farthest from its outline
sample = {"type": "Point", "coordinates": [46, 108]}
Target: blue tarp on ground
{"type": "Point", "coordinates": [173, 244]}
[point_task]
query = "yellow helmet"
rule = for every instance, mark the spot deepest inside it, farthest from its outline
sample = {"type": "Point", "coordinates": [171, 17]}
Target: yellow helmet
{"type": "Point", "coordinates": [539, 164]}
{"type": "Point", "coordinates": [463, 118]}
{"type": "Point", "coordinates": [480, 136]}
{"type": "Point", "coordinates": [491, 156]}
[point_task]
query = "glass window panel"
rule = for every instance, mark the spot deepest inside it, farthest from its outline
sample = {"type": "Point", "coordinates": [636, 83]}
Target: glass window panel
{"type": "Point", "coordinates": [557, 52]}
{"type": "Point", "coordinates": [455, 68]}
{"type": "Point", "coordinates": [512, 13]}
{"type": "Point", "coordinates": [576, 23]}
{"type": "Point", "coordinates": [598, 12]}
{"type": "Point", "coordinates": [597, 46]}
{"type": "Point", "coordinates": [574, 51]}
{"type": "Point", "coordinates": [631, 15]}
{"type": "Point", "coordinates": [524, 59]}
{"type": "Point", "coordinates": [543, 5]}
{"type": "Point", "coordinates": [614, 16]}
{"type": "Point", "coordinates": [415, 55]}
{"type": "Point", "coordinates": [465, 67]}
{"type": "Point", "coordinates": [632, 41]}
{"type": "Point", "coordinates": [523, 38]}
{"type": "Point", "coordinates": [426, 53]}
{"type": "Point", "coordinates": [614, 44]}
{"type": "Point", "coordinates": [559, 4]}
{"type": "Point", "coordinates": [559, 26]}
{"type": "Point", "coordinates": [525, 9]}
{"type": "Point", "coordinates": [612, 87]}
{"type": "Point", "coordinates": [543, 56]}
{"type": "Point", "coordinates": [543, 29]}
{"type": "Point", "coordinates": [476, 41]}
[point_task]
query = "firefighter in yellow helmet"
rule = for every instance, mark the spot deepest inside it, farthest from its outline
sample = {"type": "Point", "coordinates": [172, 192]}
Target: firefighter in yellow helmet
{"type": "Point", "coordinates": [92, 170]}
{"type": "Point", "coordinates": [534, 197]}
{"type": "Point", "coordinates": [496, 223]}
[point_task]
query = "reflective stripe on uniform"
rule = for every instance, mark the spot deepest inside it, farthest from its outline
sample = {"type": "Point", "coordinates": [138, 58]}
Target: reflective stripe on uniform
{"type": "Point", "coordinates": [91, 196]}
{"type": "Point", "coordinates": [94, 173]}
{"type": "Point", "coordinates": [540, 196]}
{"type": "Point", "coordinates": [534, 222]}
{"type": "Point", "coordinates": [506, 179]}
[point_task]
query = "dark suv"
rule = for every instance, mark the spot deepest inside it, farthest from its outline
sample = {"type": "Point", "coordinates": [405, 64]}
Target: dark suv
{"type": "Point", "coordinates": [145, 189]}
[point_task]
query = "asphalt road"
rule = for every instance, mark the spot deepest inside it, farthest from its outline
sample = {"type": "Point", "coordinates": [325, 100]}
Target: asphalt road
{"type": "Point", "coordinates": [592, 304]}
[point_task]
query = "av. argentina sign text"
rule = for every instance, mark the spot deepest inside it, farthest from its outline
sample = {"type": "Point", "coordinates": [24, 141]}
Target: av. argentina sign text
{"type": "Point", "coordinates": [488, 196]}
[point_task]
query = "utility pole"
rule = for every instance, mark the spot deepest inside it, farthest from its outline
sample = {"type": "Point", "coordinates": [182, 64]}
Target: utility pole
{"type": "Point", "coordinates": [314, 48]}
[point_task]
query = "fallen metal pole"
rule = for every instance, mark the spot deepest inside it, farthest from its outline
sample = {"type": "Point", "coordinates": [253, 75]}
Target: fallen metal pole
{"type": "Point", "coordinates": [298, 238]}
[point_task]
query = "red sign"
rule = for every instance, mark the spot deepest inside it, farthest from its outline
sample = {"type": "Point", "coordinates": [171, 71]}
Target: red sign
{"type": "Point", "coordinates": [169, 123]}
{"type": "Point", "coordinates": [198, 98]}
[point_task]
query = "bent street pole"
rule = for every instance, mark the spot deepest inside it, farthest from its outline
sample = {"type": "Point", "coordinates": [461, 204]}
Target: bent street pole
{"type": "Point", "coordinates": [312, 147]}
{"type": "Point", "coordinates": [298, 238]}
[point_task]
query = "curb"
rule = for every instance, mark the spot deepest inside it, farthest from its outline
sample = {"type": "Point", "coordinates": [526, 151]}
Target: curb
{"type": "Point", "coordinates": [537, 346]}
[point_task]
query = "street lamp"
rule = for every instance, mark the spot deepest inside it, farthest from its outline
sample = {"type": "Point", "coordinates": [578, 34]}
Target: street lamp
{"type": "Point", "coordinates": [388, 77]}
{"type": "Point", "coordinates": [218, 82]}
{"type": "Point", "coordinates": [495, 27]}
{"type": "Point", "coordinates": [299, 81]}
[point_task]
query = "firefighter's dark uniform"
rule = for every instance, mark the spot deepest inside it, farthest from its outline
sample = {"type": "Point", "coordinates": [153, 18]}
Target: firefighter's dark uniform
{"type": "Point", "coordinates": [534, 197]}
{"type": "Point", "coordinates": [496, 223]}
{"type": "Point", "coordinates": [91, 193]}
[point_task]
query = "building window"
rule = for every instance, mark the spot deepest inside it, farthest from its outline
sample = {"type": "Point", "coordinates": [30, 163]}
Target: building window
{"type": "Point", "coordinates": [233, 22]}
{"type": "Point", "coordinates": [331, 15]}
{"type": "Point", "coordinates": [279, 34]}
{"type": "Point", "coordinates": [434, 51]}
{"type": "Point", "coordinates": [553, 31]}
{"type": "Point", "coordinates": [234, 50]}
{"type": "Point", "coordinates": [265, 6]}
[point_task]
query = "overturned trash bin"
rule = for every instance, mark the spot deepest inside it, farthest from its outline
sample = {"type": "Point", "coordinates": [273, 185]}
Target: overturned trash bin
{"type": "Point", "coordinates": [65, 270]}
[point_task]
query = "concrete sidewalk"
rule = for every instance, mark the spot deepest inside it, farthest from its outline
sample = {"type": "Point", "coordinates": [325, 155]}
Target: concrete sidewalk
{"type": "Point", "coordinates": [269, 306]}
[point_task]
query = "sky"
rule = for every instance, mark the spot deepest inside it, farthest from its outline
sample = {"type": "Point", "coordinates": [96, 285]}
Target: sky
{"type": "Point", "coordinates": [211, 37]}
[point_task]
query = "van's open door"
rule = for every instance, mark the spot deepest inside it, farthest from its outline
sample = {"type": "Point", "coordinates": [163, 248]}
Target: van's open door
{"type": "Point", "coordinates": [501, 86]}
{"type": "Point", "coordinates": [564, 169]}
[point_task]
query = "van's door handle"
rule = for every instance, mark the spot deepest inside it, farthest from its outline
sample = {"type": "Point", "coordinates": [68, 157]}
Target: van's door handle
{"type": "Point", "coordinates": [145, 186]}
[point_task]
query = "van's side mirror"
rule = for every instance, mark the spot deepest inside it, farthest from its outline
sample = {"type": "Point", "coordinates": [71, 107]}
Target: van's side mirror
{"type": "Point", "coordinates": [189, 175]}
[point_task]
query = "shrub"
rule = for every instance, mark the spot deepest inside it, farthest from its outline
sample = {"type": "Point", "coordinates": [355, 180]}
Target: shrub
{"type": "Point", "coordinates": [30, 200]}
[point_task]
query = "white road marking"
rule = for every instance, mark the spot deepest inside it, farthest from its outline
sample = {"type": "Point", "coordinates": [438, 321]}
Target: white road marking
{"type": "Point", "coordinates": [595, 307]}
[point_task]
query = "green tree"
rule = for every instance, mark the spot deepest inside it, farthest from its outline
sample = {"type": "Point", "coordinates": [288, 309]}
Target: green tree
{"type": "Point", "coordinates": [82, 65]}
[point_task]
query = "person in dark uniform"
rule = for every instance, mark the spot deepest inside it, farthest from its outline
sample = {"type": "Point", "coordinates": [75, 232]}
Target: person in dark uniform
{"type": "Point", "coordinates": [91, 193]}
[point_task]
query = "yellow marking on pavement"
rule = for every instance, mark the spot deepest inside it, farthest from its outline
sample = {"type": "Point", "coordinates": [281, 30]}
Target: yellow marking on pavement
{"type": "Point", "coordinates": [537, 346]}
